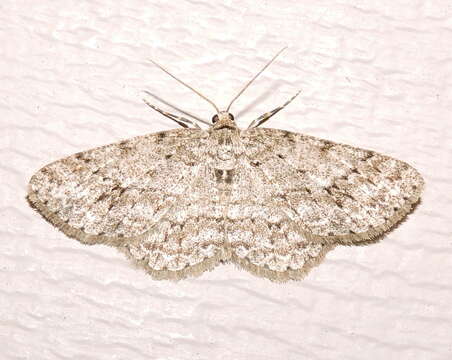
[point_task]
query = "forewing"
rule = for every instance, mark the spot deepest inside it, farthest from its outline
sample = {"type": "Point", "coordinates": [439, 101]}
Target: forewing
{"type": "Point", "coordinates": [129, 194]}
{"type": "Point", "coordinates": [338, 193]}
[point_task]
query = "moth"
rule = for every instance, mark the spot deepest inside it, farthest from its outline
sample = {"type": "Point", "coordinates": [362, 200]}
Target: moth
{"type": "Point", "coordinates": [180, 202]}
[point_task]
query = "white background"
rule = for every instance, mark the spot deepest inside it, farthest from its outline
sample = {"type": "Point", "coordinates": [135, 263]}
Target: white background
{"type": "Point", "coordinates": [375, 74]}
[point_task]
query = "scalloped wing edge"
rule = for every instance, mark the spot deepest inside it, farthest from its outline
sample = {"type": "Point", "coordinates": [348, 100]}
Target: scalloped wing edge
{"type": "Point", "coordinates": [225, 255]}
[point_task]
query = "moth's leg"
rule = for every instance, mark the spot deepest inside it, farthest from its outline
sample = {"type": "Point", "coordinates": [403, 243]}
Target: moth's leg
{"type": "Point", "coordinates": [179, 119]}
{"type": "Point", "coordinates": [263, 118]}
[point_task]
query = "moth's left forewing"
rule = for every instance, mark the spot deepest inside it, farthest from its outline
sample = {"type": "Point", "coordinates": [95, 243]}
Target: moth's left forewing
{"type": "Point", "coordinates": [339, 193]}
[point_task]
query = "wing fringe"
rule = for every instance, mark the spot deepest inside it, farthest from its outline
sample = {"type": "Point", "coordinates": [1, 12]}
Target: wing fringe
{"type": "Point", "coordinates": [120, 244]}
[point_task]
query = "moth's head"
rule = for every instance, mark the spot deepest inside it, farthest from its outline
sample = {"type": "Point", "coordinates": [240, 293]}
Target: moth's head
{"type": "Point", "coordinates": [222, 120]}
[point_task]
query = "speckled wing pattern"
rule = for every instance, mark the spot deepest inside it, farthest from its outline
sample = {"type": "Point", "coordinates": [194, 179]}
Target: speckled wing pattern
{"type": "Point", "coordinates": [337, 194]}
{"type": "Point", "coordinates": [132, 195]}
{"type": "Point", "coordinates": [180, 202]}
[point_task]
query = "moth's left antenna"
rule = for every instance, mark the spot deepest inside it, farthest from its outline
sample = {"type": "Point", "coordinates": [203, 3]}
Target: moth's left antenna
{"type": "Point", "coordinates": [183, 83]}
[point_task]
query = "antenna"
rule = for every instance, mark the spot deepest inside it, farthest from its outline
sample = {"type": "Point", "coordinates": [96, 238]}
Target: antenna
{"type": "Point", "coordinates": [183, 83]}
{"type": "Point", "coordinates": [254, 78]}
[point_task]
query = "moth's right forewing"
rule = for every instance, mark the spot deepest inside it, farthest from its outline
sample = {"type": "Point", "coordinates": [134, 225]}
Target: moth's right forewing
{"type": "Point", "coordinates": [94, 195]}
{"type": "Point", "coordinates": [150, 196]}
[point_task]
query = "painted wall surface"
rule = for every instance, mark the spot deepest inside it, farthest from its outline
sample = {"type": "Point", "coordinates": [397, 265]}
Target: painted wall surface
{"type": "Point", "coordinates": [375, 74]}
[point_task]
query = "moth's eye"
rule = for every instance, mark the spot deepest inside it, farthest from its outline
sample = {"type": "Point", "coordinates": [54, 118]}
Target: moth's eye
{"type": "Point", "coordinates": [231, 116]}
{"type": "Point", "coordinates": [214, 119]}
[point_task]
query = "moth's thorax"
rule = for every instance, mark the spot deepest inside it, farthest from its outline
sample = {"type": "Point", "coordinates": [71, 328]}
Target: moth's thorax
{"type": "Point", "coordinates": [225, 151]}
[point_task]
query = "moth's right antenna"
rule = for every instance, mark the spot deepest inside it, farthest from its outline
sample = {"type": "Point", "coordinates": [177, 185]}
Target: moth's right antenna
{"type": "Point", "coordinates": [254, 78]}
{"type": "Point", "coordinates": [183, 83]}
{"type": "Point", "coordinates": [263, 118]}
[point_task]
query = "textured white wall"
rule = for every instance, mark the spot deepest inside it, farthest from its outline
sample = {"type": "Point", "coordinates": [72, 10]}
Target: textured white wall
{"type": "Point", "coordinates": [376, 74]}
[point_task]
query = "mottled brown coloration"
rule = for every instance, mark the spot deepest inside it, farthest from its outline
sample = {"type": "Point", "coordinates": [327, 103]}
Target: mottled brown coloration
{"type": "Point", "coordinates": [182, 201]}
